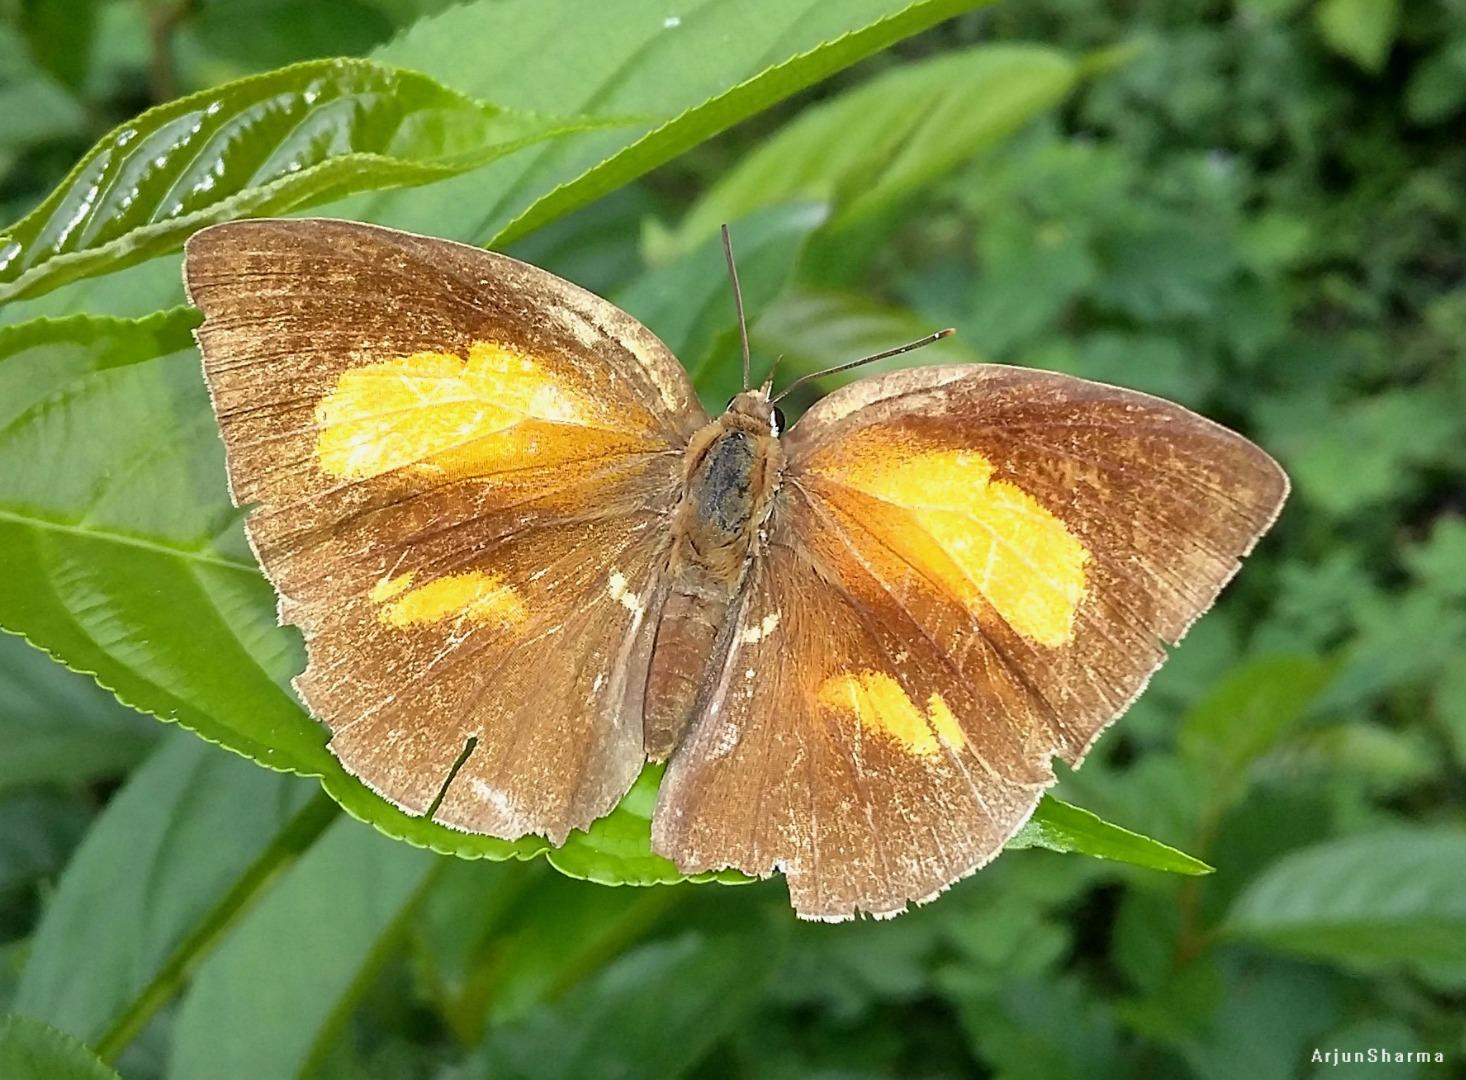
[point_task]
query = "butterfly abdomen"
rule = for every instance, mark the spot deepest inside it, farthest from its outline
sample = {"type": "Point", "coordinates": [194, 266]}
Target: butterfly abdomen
{"type": "Point", "coordinates": [731, 475]}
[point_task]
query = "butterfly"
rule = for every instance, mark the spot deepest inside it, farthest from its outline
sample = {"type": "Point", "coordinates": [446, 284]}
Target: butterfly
{"type": "Point", "coordinates": [525, 562]}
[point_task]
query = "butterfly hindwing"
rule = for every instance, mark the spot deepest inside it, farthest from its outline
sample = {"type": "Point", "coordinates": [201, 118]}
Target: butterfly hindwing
{"type": "Point", "coordinates": [970, 570]}
{"type": "Point", "coordinates": [462, 466]}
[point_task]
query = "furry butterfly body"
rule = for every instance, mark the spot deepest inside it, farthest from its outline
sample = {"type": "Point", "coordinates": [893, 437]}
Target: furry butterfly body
{"type": "Point", "coordinates": [525, 561]}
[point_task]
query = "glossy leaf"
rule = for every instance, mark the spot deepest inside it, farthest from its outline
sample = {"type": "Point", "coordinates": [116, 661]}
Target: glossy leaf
{"type": "Point", "coordinates": [1057, 826]}
{"type": "Point", "coordinates": [264, 144]}
{"type": "Point", "coordinates": [31, 1050]}
{"type": "Point", "coordinates": [1376, 899]}
{"type": "Point", "coordinates": [690, 73]}
{"type": "Point", "coordinates": [914, 123]}
{"type": "Point", "coordinates": [176, 860]}
{"type": "Point", "coordinates": [314, 941]}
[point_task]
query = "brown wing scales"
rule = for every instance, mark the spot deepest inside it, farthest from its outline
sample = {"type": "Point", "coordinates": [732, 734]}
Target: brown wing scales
{"type": "Point", "coordinates": [974, 569]}
{"type": "Point", "coordinates": [463, 466]}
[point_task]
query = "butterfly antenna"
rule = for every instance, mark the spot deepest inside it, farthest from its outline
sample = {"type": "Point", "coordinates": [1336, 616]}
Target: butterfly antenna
{"type": "Point", "coordinates": [737, 301]}
{"type": "Point", "coordinates": [908, 347]}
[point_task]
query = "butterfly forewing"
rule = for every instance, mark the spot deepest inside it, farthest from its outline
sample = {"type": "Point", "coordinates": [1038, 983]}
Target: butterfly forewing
{"type": "Point", "coordinates": [463, 467]}
{"type": "Point", "coordinates": [972, 569]}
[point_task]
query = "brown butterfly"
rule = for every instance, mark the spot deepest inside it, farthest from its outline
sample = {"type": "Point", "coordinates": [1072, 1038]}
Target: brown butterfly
{"type": "Point", "coordinates": [525, 562]}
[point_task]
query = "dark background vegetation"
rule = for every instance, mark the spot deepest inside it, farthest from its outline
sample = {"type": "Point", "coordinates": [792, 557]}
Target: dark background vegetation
{"type": "Point", "coordinates": [1255, 208]}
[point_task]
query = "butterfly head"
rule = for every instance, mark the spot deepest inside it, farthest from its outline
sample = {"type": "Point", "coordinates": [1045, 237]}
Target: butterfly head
{"type": "Point", "coordinates": [754, 410]}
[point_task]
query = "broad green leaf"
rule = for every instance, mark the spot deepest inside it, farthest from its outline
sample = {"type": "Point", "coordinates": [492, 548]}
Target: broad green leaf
{"type": "Point", "coordinates": [269, 1001]}
{"type": "Point", "coordinates": [31, 1050]}
{"type": "Point", "coordinates": [888, 136]}
{"type": "Point", "coordinates": [1246, 713]}
{"type": "Point", "coordinates": [691, 72]}
{"type": "Point", "coordinates": [1362, 30]}
{"type": "Point", "coordinates": [816, 329]}
{"type": "Point", "coordinates": [264, 144]}
{"type": "Point", "coordinates": [59, 727]}
{"type": "Point", "coordinates": [654, 1012]}
{"type": "Point", "coordinates": [1057, 826]}
{"type": "Point", "coordinates": [1396, 897]}
{"type": "Point", "coordinates": [179, 851]}
{"type": "Point", "coordinates": [690, 300]}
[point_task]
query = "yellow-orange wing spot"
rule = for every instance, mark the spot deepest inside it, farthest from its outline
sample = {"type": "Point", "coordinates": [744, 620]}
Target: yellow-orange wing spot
{"type": "Point", "coordinates": [493, 410]}
{"type": "Point", "coordinates": [1000, 545]}
{"type": "Point", "coordinates": [879, 705]}
{"type": "Point", "coordinates": [476, 597]}
{"type": "Point", "coordinates": [387, 588]}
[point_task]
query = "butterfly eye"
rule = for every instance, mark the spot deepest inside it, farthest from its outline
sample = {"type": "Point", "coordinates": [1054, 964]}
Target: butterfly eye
{"type": "Point", "coordinates": [779, 424]}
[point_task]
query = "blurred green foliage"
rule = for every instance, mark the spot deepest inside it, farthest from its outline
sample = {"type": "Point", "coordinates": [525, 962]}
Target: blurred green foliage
{"type": "Point", "coordinates": [1257, 208]}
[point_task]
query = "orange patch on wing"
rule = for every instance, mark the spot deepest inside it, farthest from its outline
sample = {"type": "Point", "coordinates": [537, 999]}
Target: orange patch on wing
{"type": "Point", "coordinates": [493, 410]}
{"type": "Point", "coordinates": [878, 704]}
{"type": "Point", "coordinates": [995, 543]}
{"type": "Point", "coordinates": [476, 597]}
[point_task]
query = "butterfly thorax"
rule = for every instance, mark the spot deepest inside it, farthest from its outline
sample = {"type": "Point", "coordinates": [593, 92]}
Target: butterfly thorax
{"type": "Point", "coordinates": [730, 477]}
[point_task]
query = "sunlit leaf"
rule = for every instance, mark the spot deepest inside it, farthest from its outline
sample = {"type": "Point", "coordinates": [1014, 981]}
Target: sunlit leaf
{"type": "Point", "coordinates": [1362, 30]}
{"type": "Point", "coordinates": [913, 123]}
{"type": "Point", "coordinates": [1057, 826]}
{"type": "Point", "coordinates": [264, 144]}
{"type": "Point", "coordinates": [692, 70]}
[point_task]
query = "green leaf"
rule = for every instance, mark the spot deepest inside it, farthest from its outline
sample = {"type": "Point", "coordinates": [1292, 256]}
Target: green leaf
{"type": "Point", "coordinates": [58, 727]}
{"type": "Point", "coordinates": [494, 941]}
{"type": "Point", "coordinates": [655, 1012]}
{"type": "Point", "coordinates": [616, 850]}
{"type": "Point", "coordinates": [1368, 901]}
{"type": "Point", "coordinates": [1362, 30]}
{"type": "Point", "coordinates": [38, 831]}
{"type": "Point", "coordinates": [314, 941]}
{"type": "Point", "coordinates": [816, 329]}
{"type": "Point", "coordinates": [1057, 826]}
{"type": "Point", "coordinates": [690, 300]}
{"type": "Point", "coordinates": [914, 123]}
{"type": "Point", "coordinates": [692, 74]}
{"type": "Point", "coordinates": [264, 144]}
{"type": "Point", "coordinates": [165, 868]}
{"type": "Point", "coordinates": [31, 1050]}
{"type": "Point", "coordinates": [1437, 89]}
{"type": "Point", "coordinates": [1246, 713]}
